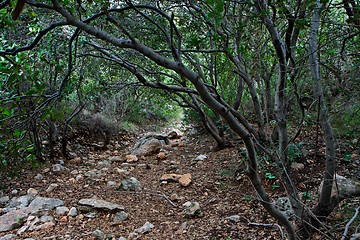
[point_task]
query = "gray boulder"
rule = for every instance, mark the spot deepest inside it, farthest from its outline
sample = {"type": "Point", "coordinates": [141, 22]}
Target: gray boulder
{"type": "Point", "coordinates": [101, 204]}
{"type": "Point", "coordinates": [131, 184]}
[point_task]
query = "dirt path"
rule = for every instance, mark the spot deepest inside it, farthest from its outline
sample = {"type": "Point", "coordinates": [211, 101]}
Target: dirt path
{"type": "Point", "coordinates": [213, 186]}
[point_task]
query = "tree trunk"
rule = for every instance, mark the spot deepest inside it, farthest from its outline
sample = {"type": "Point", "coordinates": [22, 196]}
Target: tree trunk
{"type": "Point", "coordinates": [324, 207]}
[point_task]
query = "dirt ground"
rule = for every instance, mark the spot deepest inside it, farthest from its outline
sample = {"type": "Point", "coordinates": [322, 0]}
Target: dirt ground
{"type": "Point", "coordinates": [214, 186]}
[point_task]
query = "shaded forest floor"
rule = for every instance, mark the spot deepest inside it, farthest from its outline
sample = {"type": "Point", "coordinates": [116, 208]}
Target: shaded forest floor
{"type": "Point", "coordinates": [214, 186]}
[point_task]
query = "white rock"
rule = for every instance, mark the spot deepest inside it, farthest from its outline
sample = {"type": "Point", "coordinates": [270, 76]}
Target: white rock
{"type": "Point", "coordinates": [62, 210]}
{"type": "Point", "coordinates": [52, 187]}
{"type": "Point", "coordinates": [39, 176]}
{"type": "Point", "coordinates": [147, 227]}
{"type": "Point", "coordinates": [200, 158]}
{"type": "Point", "coordinates": [73, 212]}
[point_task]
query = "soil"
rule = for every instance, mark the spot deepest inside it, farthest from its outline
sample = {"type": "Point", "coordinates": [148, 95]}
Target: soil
{"type": "Point", "coordinates": [214, 186]}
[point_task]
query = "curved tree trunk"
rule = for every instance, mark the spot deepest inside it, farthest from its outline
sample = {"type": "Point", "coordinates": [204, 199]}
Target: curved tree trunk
{"type": "Point", "coordinates": [326, 203]}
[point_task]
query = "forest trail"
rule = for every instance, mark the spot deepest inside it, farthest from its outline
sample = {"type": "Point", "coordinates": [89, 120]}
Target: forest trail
{"type": "Point", "coordinates": [215, 204]}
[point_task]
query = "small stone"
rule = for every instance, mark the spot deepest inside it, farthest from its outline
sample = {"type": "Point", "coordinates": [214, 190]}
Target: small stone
{"type": "Point", "coordinates": [100, 204]}
{"type": "Point", "coordinates": [120, 216]}
{"type": "Point", "coordinates": [97, 234]}
{"type": "Point", "coordinates": [161, 156]}
{"type": "Point", "coordinates": [200, 158]}
{"type": "Point", "coordinates": [111, 183]}
{"type": "Point", "coordinates": [131, 184]}
{"type": "Point", "coordinates": [131, 158]}
{"type": "Point", "coordinates": [172, 177]}
{"type": "Point", "coordinates": [58, 168]}
{"type": "Point", "coordinates": [233, 218]}
{"type": "Point", "coordinates": [64, 219]}
{"type": "Point", "coordinates": [22, 229]}
{"type": "Point", "coordinates": [297, 166]}
{"type": "Point", "coordinates": [192, 209]}
{"type": "Point", "coordinates": [62, 210]}
{"type": "Point", "coordinates": [14, 192]}
{"type": "Point", "coordinates": [174, 197]}
{"type": "Point", "coordinates": [147, 227]}
{"type": "Point", "coordinates": [185, 180]}
{"type": "Point", "coordinates": [46, 170]}
{"type": "Point", "coordinates": [72, 180]}
{"type": "Point", "coordinates": [79, 178]}
{"type": "Point", "coordinates": [44, 226]}
{"type": "Point", "coordinates": [46, 218]}
{"type": "Point", "coordinates": [4, 200]}
{"type": "Point", "coordinates": [8, 236]}
{"type": "Point", "coordinates": [104, 164]}
{"type": "Point", "coordinates": [122, 238]}
{"type": "Point", "coordinates": [52, 187]}
{"type": "Point", "coordinates": [39, 176]}
{"type": "Point", "coordinates": [74, 172]}
{"type": "Point", "coordinates": [73, 212]}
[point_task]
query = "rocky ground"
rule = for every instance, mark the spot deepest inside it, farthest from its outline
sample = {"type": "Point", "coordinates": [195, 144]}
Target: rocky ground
{"type": "Point", "coordinates": [114, 194]}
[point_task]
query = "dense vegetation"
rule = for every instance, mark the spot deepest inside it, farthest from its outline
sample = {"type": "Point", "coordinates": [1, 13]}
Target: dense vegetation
{"type": "Point", "coordinates": [263, 71]}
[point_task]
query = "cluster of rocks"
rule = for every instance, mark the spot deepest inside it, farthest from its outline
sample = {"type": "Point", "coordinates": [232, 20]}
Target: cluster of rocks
{"type": "Point", "coordinates": [31, 212]}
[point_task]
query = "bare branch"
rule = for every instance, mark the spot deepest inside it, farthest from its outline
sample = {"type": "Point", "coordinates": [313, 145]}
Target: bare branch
{"type": "Point", "coordinates": [33, 44]}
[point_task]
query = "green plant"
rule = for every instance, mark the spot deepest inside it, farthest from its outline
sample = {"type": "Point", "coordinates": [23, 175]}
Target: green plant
{"type": "Point", "coordinates": [347, 158]}
{"type": "Point", "coordinates": [294, 152]}
{"type": "Point", "coordinates": [247, 198]}
{"type": "Point", "coordinates": [306, 195]}
{"type": "Point", "coordinates": [270, 176]}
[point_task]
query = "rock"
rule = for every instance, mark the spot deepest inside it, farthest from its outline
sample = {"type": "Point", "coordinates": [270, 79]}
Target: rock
{"type": "Point", "coordinates": [104, 164]}
{"type": "Point", "coordinates": [93, 174]}
{"type": "Point", "coordinates": [8, 236]}
{"type": "Point", "coordinates": [79, 178]}
{"type": "Point", "coordinates": [233, 218]}
{"type": "Point", "coordinates": [61, 162]}
{"type": "Point", "coordinates": [283, 205]}
{"type": "Point", "coordinates": [22, 229]}
{"type": "Point", "coordinates": [185, 180]}
{"type": "Point", "coordinates": [58, 168]}
{"type": "Point", "coordinates": [147, 227]}
{"type": "Point", "coordinates": [297, 166]}
{"type": "Point", "coordinates": [170, 177]}
{"type": "Point", "coordinates": [174, 197]}
{"type": "Point", "coordinates": [46, 218]}
{"type": "Point", "coordinates": [200, 158]}
{"type": "Point", "coordinates": [4, 200]}
{"type": "Point", "coordinates": [101, 204]}
{"type": "Point", "coordinates": [52, 187]}
{"type": "Point", "coordinates": [46, 203]}
{"type": "Point", "coordinates": [344, 187]}
{"type": "Point", "coordinates": [174, 133]}
{"type": "Point", "coordinates": [39, 176]}
{"type": "Point", "coordinates": [62, 210]}
{"type": "Point", "coordinates": [97, 234]}
{"type": "Point", "coordinates": [131, 184]}
{"type": "Point", "coordinates": [122, 238]}
{"type": "Point", "coordinates": [161, 156]}
{"type": "Point", "coordinates": [131, 158]}
{"type": "Point", "coordinates": [14, 192]}
{"type": "Point", "coordinates": [44, 226]}
{"type": "Point", "coordinates": [133, 236]}
{"type": "Point", "coordinates": [20, 202]}
{"type": "Point", "coordinates": [111, 184]}
{"type": "Point", "coordinates": [120, 216]}
{"type": "Point", "coordinates": [115, 159]}
{"type": "Point", "coordinates": [192, 209]}
{"type": "Point", "coordinates": [74, 172]}
{"type": "Point", "coordinates": [147, 146]}
{"type": "Point", "coordinates": [14, 219]}
{"type": "Point", "coordinates": [73, 212]}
